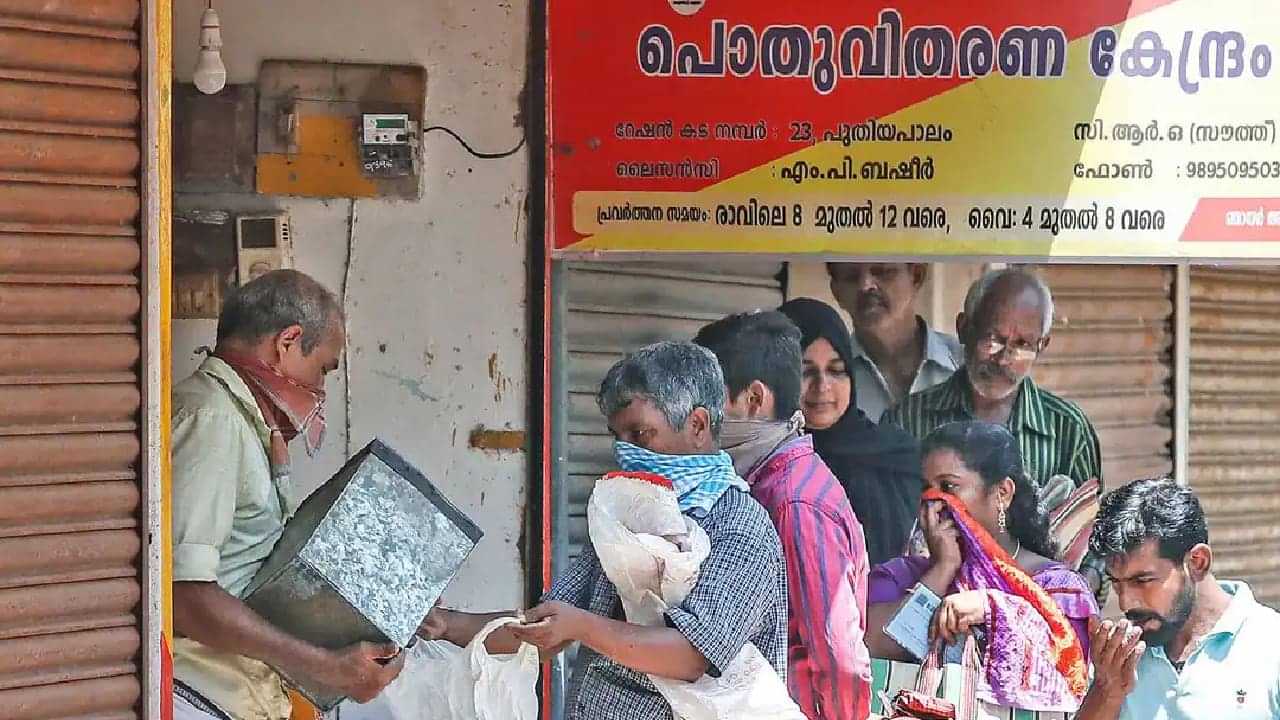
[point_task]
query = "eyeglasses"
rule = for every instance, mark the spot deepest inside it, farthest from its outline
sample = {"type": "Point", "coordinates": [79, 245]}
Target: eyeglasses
{"type": "Point", "coordinates": [1018, 350]}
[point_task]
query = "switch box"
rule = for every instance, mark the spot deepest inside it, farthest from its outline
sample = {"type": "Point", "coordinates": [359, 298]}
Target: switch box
{"type": "Point", "coordinates": [263, 244]}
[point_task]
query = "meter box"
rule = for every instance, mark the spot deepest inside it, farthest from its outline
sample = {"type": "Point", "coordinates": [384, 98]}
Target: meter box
{"type": "Point", "coordinates": [388, 145]}
{"type": "Point", "coordinates": [383, 129]}
{"type": "Point", "coordinates": [331, 130]}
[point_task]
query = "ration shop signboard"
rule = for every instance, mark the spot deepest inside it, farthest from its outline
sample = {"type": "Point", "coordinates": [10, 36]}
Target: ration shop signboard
{"type": "Point", "coordinates": [1094, 128]}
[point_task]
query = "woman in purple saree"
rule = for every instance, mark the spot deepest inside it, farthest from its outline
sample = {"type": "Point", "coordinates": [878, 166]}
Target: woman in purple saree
{"type": "Point", "coordinates": [994, 564]}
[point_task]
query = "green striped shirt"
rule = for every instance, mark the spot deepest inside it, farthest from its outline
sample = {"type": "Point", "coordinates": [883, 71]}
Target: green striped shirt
{"type": "Point", "coordinates": [1055, 436]}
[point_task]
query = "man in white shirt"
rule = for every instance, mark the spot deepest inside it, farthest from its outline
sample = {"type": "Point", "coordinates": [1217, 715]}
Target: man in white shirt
{"type": "Point", "coordinates": [1191, 647]}
{"type": "Point", "coordinates": [896, 353]}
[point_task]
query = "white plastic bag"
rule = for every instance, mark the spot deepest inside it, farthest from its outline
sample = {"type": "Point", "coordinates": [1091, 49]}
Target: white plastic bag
{"type": "Point", "coordinates": [652, 554]}
{"type": "Point", "coordinates": [505, 686]}
{"type": "Point", "coordinates": [442, 681]}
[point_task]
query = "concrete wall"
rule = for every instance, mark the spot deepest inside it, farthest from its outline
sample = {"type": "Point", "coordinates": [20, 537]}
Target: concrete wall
{"type": "Point", "coordinates": [436, 299]}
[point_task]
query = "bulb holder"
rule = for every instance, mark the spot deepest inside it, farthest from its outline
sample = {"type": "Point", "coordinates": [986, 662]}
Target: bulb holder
{"type": "Point", "coordinates": [210, 73]}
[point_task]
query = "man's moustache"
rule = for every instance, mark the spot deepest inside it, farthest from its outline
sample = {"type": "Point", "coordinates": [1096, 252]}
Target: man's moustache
{"type": "Point", "coordinates": [871, 298]}
{"type": "Point", "coordinates": [1140, 617]}
{"type": "Point", "coordinates": [988, 371]}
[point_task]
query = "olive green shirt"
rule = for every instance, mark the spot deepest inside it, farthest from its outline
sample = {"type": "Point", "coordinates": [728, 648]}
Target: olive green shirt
{"type": "Point", "coordinates": [228, 513]}
{"type": "Point", "coordinates": [1054, 435]}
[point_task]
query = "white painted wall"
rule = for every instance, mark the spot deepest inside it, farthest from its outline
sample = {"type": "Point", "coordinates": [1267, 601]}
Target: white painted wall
{"type": "Point", "coordinates": [437, 291]}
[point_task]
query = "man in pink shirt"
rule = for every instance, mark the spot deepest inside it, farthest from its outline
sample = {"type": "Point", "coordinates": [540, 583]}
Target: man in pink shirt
{"type": "Point", "coordinates": [829, 668]}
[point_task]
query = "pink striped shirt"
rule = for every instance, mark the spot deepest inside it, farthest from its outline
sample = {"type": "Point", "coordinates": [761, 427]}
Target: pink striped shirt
{"type": "Point", "coordinates": [828, 666]}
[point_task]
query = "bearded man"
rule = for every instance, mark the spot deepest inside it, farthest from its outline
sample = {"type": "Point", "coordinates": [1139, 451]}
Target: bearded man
{"type": "Point", "coordinates": [1190, 645]}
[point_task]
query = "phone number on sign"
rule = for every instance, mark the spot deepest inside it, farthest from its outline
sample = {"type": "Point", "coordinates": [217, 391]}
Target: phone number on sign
{"type": "Point", "coordinates": [1237, 169]}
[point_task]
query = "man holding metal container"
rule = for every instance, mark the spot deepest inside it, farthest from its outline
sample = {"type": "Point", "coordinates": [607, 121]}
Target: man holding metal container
{"type": "Point", "coordinates": [278, 337]}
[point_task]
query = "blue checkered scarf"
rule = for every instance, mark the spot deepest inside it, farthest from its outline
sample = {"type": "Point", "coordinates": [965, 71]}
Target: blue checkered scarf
{"type": "Point", "coordinates": [699, 480]}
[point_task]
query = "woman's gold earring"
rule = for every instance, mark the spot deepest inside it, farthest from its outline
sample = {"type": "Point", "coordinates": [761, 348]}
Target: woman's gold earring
{"type": "Point", "coordinates": [1004, 520]}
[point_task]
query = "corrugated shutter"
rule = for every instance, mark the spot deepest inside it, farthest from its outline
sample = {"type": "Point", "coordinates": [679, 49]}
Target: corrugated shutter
{"type": "Point", "coordinates": [1235, 409]}
{"type": "Point", "coordinates": [1112, 354]}
{"type": "Point", "coordinates": [615, 308]}
{"type": "Point", "coordinates": [69, 359]}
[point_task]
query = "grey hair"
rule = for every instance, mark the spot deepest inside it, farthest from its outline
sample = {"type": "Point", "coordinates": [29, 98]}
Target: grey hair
{"type": "Point", "coordinates": [677, 377]}
{"type": "Point", "coordinates": [277, 300]}
{"type": "Point", "coordinates": [980, 287]}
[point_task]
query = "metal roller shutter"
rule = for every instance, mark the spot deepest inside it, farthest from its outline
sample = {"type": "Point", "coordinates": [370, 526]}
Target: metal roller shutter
{"type": "Point", "coordinates": [1235, 408]}
{"type": "Point", "coordinates": [1112, 355]}
{"type": "Point", "coordinates": [70, 339]}
{"type": "Point", "coordinates": [614, 308]}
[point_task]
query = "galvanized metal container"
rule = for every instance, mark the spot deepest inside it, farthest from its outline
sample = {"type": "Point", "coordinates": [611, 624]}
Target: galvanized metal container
{"type": "Point", "coordinates": [365, 558]}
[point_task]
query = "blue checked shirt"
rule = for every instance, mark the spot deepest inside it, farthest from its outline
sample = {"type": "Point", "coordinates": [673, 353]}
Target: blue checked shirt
{"type": "Point", "coordinates": [740, 597]}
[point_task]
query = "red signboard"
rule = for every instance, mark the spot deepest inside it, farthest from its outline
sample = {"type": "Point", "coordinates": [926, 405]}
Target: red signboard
{"type": "Point", "coordinates": [923, 127]}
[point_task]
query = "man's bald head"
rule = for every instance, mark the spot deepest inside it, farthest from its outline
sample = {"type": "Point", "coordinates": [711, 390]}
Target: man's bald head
{"type": "Point", "coordinates": [999, 288]}
{"type": "Point", "coordinates": [1004, 327]}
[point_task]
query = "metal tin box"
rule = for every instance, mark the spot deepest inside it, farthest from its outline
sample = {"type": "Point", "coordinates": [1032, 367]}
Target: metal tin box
{"type": "Point", "coordinates": [365, 558]}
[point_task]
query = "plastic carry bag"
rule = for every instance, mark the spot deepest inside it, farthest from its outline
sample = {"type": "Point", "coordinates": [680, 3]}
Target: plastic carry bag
{"type": "Point", "coordinates": [652, 554]}
{"type": "Point", "coordinates": [442, 681]}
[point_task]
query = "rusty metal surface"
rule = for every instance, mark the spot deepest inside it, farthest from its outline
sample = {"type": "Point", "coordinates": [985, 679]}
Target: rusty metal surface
{"type": "Point", "coordinates": [49, 659]}
{"type": "Point", "coordinates": [1072, 376]}
{"type": "Point", "coordinates": [69, 359]}
{"type": "Point", "coordinates": [104, 699]}
{"type": "Point", "coordinates": [1235, 406]}
{"type": "Point", "coordinates": [68, 254]}
{"type": "Point", "coordinates": [91, 106]}
{"type": "Point", "coordinates": [1232, 439]}
{"type": "Point", "coordinates": [1243, 320]}
{"type": "Point", "coordinates": [28, 358]}
{"type": "Point", "coordinates": [1253, 411]}
{"type": "Point", "coordinates": [70, 607]}
{"type": "Point", "coordinates": [69, 155]}
{"type": "Point", "coordinates": [70, 557]}
{"type": "Point", "coordinates": [79, 507]}
{"type": "Point", "coordinates": [67, 405]}
{"type": "Point", "coordinates": [94, 13]}
{"type": "Point", "coordinates": [68, 53]}
{"type": "Point", "coordinates": [1132, 341]}
{"type": "Point", "coordinates": [1111, 353]}
{"type": "Point", "coordinates": [54, 204]}
{"type": "Point", "coordinates": [22, 304]}
{"type": "Point", "coordinates": [43, 456]}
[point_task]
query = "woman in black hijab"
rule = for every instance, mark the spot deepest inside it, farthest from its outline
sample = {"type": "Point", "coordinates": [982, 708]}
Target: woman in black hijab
{"type": "Point", "coordinates": [879, 467]}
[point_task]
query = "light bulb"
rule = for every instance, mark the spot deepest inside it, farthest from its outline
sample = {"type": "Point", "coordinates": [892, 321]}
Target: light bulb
{"type": "Point", "coordinates": [210, 75]}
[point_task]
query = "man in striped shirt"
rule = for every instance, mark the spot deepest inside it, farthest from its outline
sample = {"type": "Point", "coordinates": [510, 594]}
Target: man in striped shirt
{"type": "Point", "coordinates": [822, 542]}
{"type": "Point", "coordinates": [1004, 328]}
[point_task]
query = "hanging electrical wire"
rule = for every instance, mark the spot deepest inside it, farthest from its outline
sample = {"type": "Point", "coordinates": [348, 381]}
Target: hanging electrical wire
{"type": "Point", "coordinates": [468, 148]}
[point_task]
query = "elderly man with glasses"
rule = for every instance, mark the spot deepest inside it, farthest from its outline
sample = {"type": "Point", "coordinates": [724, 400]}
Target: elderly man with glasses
{"type": "Point", "coordinates": [1004, 328]}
